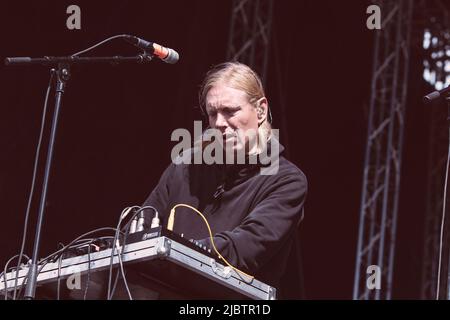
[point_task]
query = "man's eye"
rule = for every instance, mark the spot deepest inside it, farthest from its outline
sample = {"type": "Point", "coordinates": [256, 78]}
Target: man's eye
{"type": "Point", "coordinates": [231, 111]}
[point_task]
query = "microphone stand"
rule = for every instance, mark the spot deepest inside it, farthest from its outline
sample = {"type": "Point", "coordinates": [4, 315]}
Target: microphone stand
{"type": "Point", "coordinates": [63, 75]}
{"type": "Point", "coordinates": [443, 94]}
{"type": "Point", "coordinates": [447, 99]}
{"type": "Point", "coordinates": [52, 61]}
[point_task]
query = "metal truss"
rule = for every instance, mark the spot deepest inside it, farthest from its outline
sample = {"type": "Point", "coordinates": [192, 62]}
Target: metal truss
{"type": "Point", "coordinates": [249, 38]}
{"type": "Point", "coordinates": [383, 156]}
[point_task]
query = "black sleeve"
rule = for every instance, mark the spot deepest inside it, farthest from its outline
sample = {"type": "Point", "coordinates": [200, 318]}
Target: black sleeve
{"type": "Point", "coordinates": [159, 197]}
{"type": "Point", "coordinates": [267, 227]}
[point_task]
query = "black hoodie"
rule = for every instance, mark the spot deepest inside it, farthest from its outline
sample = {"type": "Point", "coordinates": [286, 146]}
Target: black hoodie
{"type": "Point", "coordinates": [253, 217]}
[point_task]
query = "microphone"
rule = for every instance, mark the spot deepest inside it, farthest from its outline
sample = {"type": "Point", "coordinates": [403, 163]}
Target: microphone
{"type": "Point", "coordinates": [436, 95]}
{"type": "Point", "coordinates": [165, 54]}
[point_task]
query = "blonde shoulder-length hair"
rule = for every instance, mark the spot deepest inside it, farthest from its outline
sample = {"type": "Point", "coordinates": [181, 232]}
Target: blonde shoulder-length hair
{"type": "Point", "coordinates": [238, 76]}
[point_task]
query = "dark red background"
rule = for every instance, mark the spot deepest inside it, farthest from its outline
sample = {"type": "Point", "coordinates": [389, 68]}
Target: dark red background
{"type": "Point", "coordinates": [114, 133]}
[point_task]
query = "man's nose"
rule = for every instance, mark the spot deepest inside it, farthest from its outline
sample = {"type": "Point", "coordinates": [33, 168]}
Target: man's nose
{"type": "Point", "coordinates": [221, 122]}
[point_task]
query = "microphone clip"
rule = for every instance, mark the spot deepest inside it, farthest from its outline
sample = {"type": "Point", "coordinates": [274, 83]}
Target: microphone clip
{"type": "Point", "coordinates": [145, 56]}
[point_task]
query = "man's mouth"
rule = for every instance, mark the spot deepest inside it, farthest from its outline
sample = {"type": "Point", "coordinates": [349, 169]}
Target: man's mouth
{"type": "Point", "coordinates": [228, 136]}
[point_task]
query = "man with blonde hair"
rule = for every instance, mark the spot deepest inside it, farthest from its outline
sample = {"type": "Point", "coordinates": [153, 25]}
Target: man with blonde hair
{"type": "Point", "coordinates": [253, 216]}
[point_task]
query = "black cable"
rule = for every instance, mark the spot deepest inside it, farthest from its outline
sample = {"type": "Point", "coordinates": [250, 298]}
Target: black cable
{"type": "Point", "coordinates": [88, 241]}
{"type": "Point", "coordinates": [33, 181]}
{"type": "Point", "coordinates": [89, 271]}
{"type": "Point", "coordinates": [25, 279]}
{"type": "Point", "coordinates": [5, 271]}
{"type": "Point", "coordinates": [122, 270]}
{"type": "Point", "coordinates": [99, 43]}
{"type": "Point", "coordinates": [116, 280]}
{"type": "Point", "coordinates": [60, 251]}
{"type": "Point", "coordinates": [46, 260]}
{"type": "Point", "coordinates": [127, 228]}
{"type": "Point", "coordinates": [69, 246]}
{"type": "Point", "coordinates": [124, 241]}
{"type": "Point", "coordinates": [58, 284]}
{"type": "Point", "coordinates": [113, 290]}
{"type": "Point", "coordinates": [108, 297]}
{"type": "Point", "coordinates": [118, 232]}
{"type": "Point", "coordinates": [121, 217]}
{"type": "Point", "coordinates": [79, 238]}
{"type": "Point", "coordinates": [60, 259]}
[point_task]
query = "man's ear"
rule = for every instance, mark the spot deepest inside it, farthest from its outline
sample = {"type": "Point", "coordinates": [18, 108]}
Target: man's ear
{"type": "Point", "coordinates": [262, 107]}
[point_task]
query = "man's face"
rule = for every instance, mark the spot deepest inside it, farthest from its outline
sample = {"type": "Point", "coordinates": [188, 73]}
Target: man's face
{"type": "Point", "coordinates": [230, 111]}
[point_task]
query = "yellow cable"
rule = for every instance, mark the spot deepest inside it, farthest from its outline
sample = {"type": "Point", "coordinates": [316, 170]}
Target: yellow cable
{"type": "Point", "coordinates": [170, 223]}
